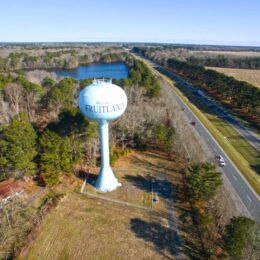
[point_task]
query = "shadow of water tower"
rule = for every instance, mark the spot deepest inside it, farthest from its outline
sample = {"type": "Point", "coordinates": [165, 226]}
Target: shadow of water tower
{"type": "Point", "coordinates": [103, 101]}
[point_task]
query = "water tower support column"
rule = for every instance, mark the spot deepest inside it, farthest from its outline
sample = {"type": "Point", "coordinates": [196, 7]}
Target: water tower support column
{"type": "Point", "coordinates": [106, 180]}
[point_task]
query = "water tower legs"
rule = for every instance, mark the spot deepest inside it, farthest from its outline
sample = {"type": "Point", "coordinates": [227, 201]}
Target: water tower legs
{"type": "Point", "coordinates": [106, 180]}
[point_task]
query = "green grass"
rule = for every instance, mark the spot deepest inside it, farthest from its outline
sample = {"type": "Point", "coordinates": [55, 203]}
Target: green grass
{"type": "Point", "coordinates": [242, 164]}
{"type": "Point", "coordinates": [237, 141]}
{"type": "Point", "coordinates": [229, 133]}
{"type": "Point", "coordinates": [237, 148]}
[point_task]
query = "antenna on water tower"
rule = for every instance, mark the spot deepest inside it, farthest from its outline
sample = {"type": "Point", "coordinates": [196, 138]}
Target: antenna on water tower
{"type": "Point", "coordinates": [103, 101]}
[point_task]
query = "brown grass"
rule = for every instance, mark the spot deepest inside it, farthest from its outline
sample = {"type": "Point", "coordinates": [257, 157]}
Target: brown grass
{"type": "Point", "coordinates": [232, 53]}
{"type": "Point", "coordinates": [251, 76]}
{"type": "Point", "coordinates": [85, 227]}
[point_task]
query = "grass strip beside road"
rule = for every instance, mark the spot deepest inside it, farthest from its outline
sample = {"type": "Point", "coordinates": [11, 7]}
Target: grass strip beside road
{"type": "Point", "coordinates": [249, 152]}
{"type": "Point", "coordinates": [241, 163]}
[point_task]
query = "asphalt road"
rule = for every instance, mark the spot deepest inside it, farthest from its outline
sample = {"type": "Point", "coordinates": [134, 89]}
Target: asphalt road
{"type": "Point", "coordinates": [249, 135]}
{"type": "Point", "coordinates": [247, 195]}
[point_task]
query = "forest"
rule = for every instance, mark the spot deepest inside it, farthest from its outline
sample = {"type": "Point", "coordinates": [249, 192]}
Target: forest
{"type": "Point", "coordinates": [209, 57]}
{"type": "Point", "coordinates": [225, 62]}
{"type": "Point", "coordinates": [44, 137]}
{"type": "Point", "coordinates": [237, 94]}
{"type": "Point", "coordinates": [20, 58]}
{"type": "Point", "coordinates": [28, 145]}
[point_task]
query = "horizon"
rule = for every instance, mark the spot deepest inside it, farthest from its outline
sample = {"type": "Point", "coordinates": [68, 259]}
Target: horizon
{"type": "Point", "coordinates": [228, 23]}
{"type": "Point", "coordinates": [129, 42]}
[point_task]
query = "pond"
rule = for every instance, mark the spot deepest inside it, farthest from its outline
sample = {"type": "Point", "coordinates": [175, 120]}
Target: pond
{"type": "Point", "coordinates": [117, 70]}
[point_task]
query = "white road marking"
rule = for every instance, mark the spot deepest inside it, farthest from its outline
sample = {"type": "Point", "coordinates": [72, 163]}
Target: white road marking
{"type": "Point", "coordinates": [234, 177]}
{"type": "Point", "coordinates": [249, 198]}
{"type": "Point", "coordinates": [189, 112]}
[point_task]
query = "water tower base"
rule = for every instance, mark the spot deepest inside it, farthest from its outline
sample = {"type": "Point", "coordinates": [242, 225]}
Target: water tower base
{"type": "Point", "coordinates": [106, 180]}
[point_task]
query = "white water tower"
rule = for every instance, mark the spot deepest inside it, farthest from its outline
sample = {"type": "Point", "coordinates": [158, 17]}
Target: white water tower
{"type": "Point", "coordinates": [103, 101]}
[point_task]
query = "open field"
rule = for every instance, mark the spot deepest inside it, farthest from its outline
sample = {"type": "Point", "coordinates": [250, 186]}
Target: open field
{"type": "Point", "coordinates": [251, 76]}
{"type": "Point", "coordinates": [123, 224]}
{"type": "Point", "coordinates": [86, 228]}
{"type": "Point", "coordinates": [232, 53]}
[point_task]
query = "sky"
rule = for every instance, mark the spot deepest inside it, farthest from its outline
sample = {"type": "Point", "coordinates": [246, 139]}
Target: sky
{"type": "Point", "coordinates": [226, 22]}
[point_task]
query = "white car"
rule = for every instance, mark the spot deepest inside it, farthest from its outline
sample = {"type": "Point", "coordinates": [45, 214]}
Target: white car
{"type": "Point", "coordinates": [221, 161]}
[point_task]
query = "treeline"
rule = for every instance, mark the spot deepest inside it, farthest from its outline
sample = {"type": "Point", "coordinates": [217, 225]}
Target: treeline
{"type": "Point", "coordinates": [226, 62]}
{"type": "Point", "coordinates": [140, 75]}
{"type": "Point", "coordinates": [238, 240]}
{"type": "Point", "coordinates": [142, 50]}
{"type": "Point", "coordinates": [193, 57]}
{"type": "Point", "coordinates": [147, 52]}
{"type": "Point", "coordinates": [20, 94]}
{"type": "Point", "coordinates": [239, 95]}
{"type": "Point", "coordinates": [17, 59]}
{"type": "Point", "coordinates": [200, 47]}
{"type": "Point", "coordinates": [67, 58]}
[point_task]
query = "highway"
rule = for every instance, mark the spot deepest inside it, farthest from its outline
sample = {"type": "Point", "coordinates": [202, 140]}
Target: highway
{"type": "Point", "coordinates": [249, 135]}
{"type": "Point", "coordinates": [247, 195]}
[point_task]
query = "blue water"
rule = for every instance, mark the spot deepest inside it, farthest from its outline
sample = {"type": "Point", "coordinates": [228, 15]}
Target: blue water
{"type": "Point", "coordinates": [116, 70]}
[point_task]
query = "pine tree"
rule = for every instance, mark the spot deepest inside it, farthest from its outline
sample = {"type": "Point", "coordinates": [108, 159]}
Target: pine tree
{"type": "Point", "coordinates": [204, 181]}
{"type": "Point", "coordinates": [240, 234]}
{"type": "Point", "coordinates": [18, 147]}
{"type": "Point", "coordinates": [56, 156]}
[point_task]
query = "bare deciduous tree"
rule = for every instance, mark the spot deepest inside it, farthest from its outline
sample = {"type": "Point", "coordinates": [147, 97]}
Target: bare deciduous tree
{"type": "Point", "coordinates": [14, 95]}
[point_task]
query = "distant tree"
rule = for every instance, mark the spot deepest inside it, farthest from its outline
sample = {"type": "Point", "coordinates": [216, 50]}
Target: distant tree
{"type": "Point", "coordinates": [3, 63]}
{"type": "Point", "coordinates": [85, 82]}
{"type": "Point", "coordinates": [170, 138]}
{"type": "Point", "coordinates": [154, 91]}
{"type": "Point", "coordinates": [31, 95]}
{"type": "Point", "coordinates": [72, 124]}
{"type": "Point", "coordinates": [62, 95]}
{"type": "Point", "coordinates": [48, 82]}
{"type": "Point", "coordinates": [140, 75]}
{"type": "Point", "coordinates": [5, 79]}
{"type": "Point", "coordinates": [240, 233]}
{"type": "Point", "coordinates": [13, 94]}
{"type": "Point", "coordinates": [56, 156]}
{"type": "Point", "coordinates": [226, 61]}
{"type": "Point", "coordinates": [18, 147]}
{"type": "Point", "coordinates": [90, 143]}
{"type": "Point", "coordinates": [164, 136]}
{"type": "Point", "coordinates": [203, 181]}
{"type": "Point", "coordinates": [22, 95]}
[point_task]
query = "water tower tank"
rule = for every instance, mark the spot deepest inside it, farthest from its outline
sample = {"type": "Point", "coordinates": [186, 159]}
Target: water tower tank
{"type": "Point", "coordinates": [103, 101]}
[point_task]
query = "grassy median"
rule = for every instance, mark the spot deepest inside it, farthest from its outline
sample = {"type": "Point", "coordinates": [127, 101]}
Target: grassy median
{"type": "Point", "coordinates": [237, 148]}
